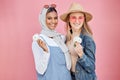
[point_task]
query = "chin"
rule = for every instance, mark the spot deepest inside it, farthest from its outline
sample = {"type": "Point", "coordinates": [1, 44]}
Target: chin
{"type": "Point", "coordinates": [52, 28]}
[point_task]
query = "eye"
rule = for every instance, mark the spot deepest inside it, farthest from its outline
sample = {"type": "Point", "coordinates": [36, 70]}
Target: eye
{"type": "Point", "coordinates": [81, 17]}
{"type": "Point", "coordinates": [49, 18]}
{"type": "Point", "coordinates": [55, 17]}
{"type": "Point", "coordinates": [73, 17]}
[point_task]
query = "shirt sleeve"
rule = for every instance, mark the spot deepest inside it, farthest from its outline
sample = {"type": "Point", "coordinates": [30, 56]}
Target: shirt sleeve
{"type": "Point", "coordinates": [41, 58]}
{"type": "Point", "coordinates": [87, 61]}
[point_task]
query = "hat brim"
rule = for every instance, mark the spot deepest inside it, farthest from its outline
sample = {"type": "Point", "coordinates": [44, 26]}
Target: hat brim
{"type": "Point", "coordinates": [65, 15]}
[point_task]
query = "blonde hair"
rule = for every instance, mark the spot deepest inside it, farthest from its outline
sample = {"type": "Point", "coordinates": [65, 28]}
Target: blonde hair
{"type": "Point", "coordinates": [84, 30]}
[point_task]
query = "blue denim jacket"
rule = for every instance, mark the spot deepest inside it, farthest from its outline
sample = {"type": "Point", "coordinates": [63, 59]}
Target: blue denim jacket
{"type": "Point", "coordinates": [85, 66]}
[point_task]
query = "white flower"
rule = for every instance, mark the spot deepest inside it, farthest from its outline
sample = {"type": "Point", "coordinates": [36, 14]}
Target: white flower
{"type": "Point", "coordinates": [35, 37]}
{"type": "Point", "coordinates": [77, 39]}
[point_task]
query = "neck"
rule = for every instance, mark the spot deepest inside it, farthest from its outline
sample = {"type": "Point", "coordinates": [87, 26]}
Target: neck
{"type": "Point", "coordinates": [76, 33]}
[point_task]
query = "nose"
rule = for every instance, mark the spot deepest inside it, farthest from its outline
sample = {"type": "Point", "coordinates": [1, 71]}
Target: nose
{"type": "Point", "coordinates": [53, 20]}
{"type": "Point", "coordinates": [77, 21]}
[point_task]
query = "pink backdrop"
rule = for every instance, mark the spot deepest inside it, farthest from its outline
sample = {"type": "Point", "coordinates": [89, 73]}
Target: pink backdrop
{"type": "Point", "coordinates": [19, 21]}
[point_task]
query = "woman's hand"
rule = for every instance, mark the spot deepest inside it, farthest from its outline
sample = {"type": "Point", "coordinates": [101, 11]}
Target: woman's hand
{"type": "Point", "coordinates": [78, 49]}
{"type": "Point", "coordinates": [42, 45]}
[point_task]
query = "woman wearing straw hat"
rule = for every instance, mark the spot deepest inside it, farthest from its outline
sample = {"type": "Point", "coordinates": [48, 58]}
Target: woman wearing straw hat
{"type": "Point", "coordinates": [52, 59]}
{"type": "Point", "coordinates": [80, 43]}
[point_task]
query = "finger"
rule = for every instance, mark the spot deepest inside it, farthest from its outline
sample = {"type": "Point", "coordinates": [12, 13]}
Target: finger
{"type": "Point", "coordinates": [81, 46]}
{"type": "Point", "coordinates": [77, 43]}
{"type": "Point", "coordinates": [40, 42]}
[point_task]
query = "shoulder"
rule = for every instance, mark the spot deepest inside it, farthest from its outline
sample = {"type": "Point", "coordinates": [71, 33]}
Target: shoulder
{"type": "Point", "coordinates": [48, 40]}
{"type": "Point", "coordinates": [88, 41]}
{"type": "Point", "coordinates": [87, 38]}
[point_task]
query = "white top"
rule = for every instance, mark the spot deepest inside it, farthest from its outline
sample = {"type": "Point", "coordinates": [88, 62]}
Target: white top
{"type": "Point", "coordinates": [41, 58]}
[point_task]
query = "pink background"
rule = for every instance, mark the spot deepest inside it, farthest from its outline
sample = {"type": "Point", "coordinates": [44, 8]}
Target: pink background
{"type": "Point", "coordinates": [19, 21]}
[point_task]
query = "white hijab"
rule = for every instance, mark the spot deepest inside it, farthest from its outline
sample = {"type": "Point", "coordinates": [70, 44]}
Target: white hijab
{"type": "Point", "coordinates": [56, 37]}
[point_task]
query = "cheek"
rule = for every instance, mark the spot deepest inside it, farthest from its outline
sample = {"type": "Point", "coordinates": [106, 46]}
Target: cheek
{"type": "Point", "coordinates": [56, 21]}
{"type": "Point", "coordinates": [47, 21]}
{"type": "Point", "coordinates": [72, 19]}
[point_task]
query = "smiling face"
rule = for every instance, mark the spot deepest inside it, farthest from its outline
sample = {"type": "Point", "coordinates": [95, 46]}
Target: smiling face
{"type": "Point", "coordinates": [52, 20]}
{"type": "Point", "coordinates": [76, 20]}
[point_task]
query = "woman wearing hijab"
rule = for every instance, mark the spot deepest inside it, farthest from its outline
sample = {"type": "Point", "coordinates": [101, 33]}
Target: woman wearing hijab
{"type": "Point", "coordinates": [80, 43]}
{"type": "Point", "coordinates": [52, 60]}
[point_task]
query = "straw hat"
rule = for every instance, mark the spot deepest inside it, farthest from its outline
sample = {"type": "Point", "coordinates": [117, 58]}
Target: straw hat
{"type": "Point", "coordinates": [75, 7]}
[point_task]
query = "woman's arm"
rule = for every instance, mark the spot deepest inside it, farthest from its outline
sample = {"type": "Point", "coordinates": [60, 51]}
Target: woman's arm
{"type": "Point", "coordinates": [87, 61]}
{"type": "Point", "coordinates": [41, 58]}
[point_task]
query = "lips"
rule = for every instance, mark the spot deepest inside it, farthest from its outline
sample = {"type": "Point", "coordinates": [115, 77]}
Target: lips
{"type": "Point", "coordinates": [75, 24]}
{"type": "Point", "coordinates": [52, 24]}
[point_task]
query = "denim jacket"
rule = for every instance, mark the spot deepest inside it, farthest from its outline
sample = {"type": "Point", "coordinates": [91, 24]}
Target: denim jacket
{"type": "Point", "coordinates": [85, 66]}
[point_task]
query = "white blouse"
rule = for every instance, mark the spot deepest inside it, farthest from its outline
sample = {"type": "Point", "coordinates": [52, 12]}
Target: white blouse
{"type": "Point", "coordinates": [41, 58]}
